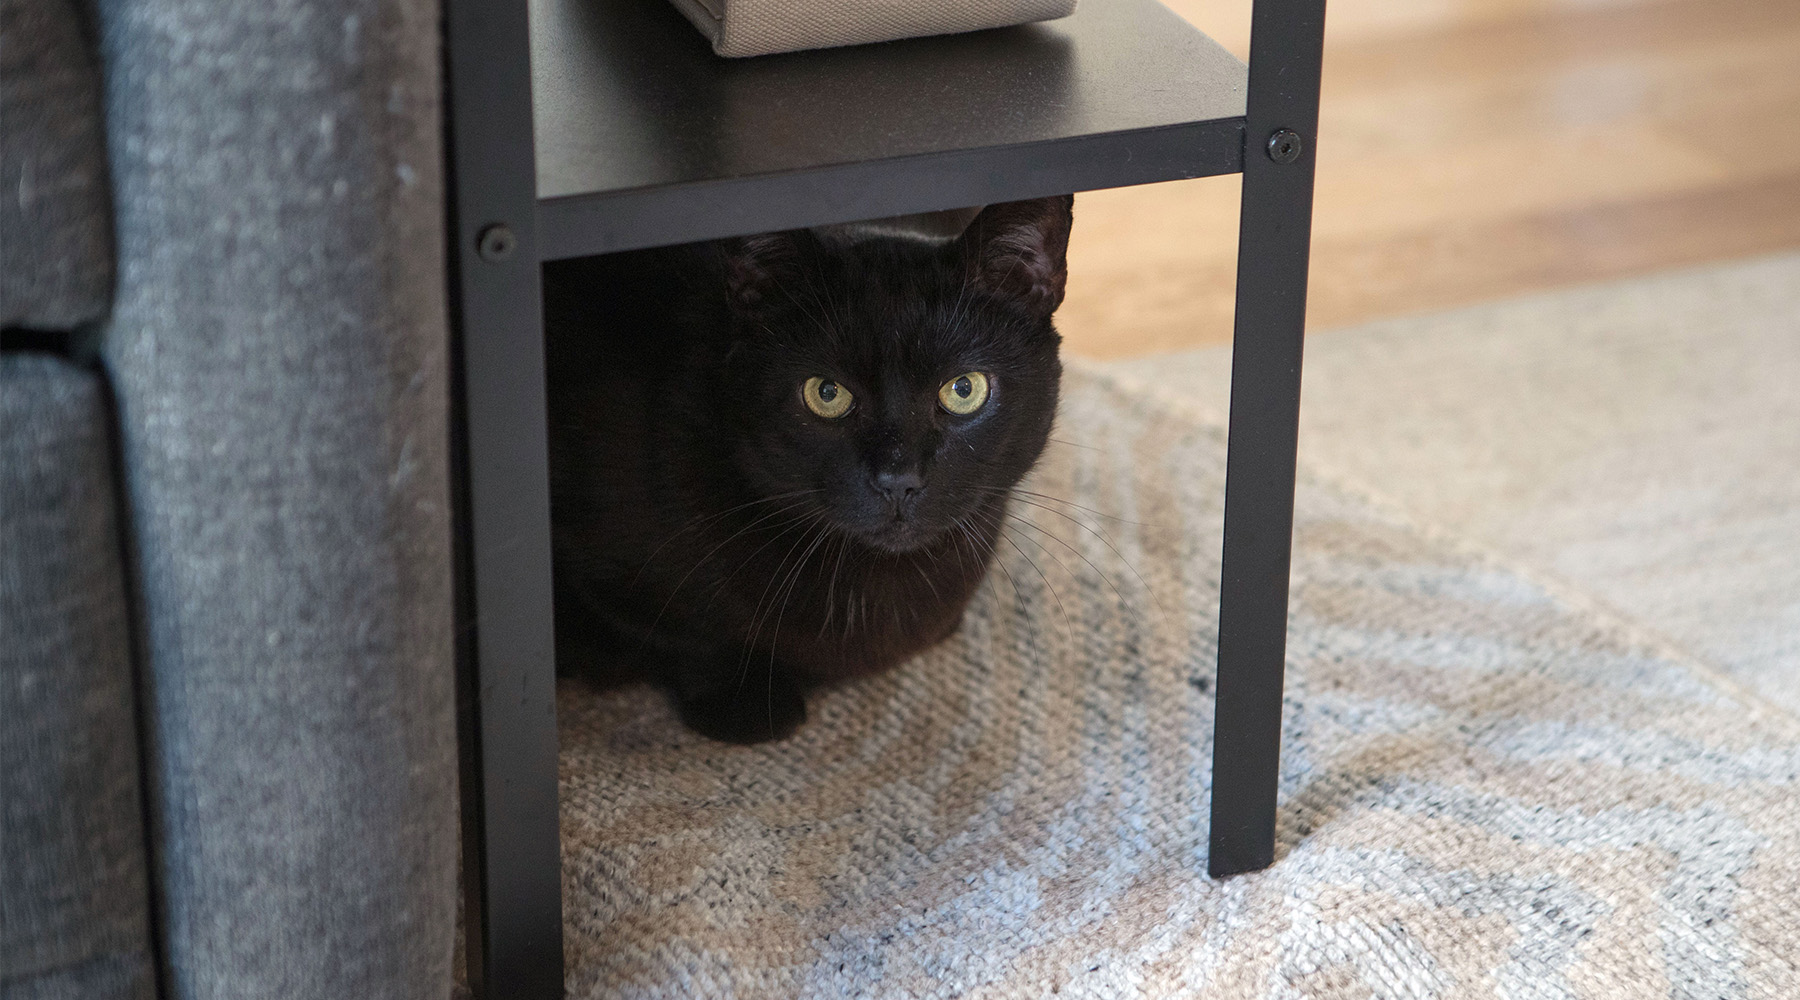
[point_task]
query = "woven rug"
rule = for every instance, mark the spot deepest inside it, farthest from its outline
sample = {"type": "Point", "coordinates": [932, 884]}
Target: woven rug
{"type": "Point", "coordinates": [1489, 788]}
{"type": "Point", "coordinates": [1639, 439]}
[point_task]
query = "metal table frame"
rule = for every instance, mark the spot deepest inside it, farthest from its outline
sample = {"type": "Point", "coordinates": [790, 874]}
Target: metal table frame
{"type": "Point", "coordinates": [511, 850]}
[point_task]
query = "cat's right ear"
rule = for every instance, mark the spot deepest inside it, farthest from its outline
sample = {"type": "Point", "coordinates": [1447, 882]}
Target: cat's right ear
{"type": "Point", "coordinates": [758, 268]}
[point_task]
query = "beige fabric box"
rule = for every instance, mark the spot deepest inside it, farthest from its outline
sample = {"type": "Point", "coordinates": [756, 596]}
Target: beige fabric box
{"type": "Point", "coordinates": [761, 27]}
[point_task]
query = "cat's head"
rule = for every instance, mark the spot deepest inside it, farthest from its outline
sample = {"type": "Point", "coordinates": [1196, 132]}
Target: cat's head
{"type": "Point", "coordinates": [895, 387]}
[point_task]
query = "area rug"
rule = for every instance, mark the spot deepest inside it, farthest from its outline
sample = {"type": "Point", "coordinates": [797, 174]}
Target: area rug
{"type": "Point", "coordinates": [1490, 787]}
{"type": "Point", "coordinates": [1638, 439]}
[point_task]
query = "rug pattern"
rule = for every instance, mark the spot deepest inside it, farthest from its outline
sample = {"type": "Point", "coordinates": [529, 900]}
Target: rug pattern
{"type": "Point", "coordinates": [1487, 789]}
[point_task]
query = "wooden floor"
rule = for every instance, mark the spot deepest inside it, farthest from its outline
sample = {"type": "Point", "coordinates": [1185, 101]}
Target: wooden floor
{"type": "Point", "coordinates": [1474, 149]}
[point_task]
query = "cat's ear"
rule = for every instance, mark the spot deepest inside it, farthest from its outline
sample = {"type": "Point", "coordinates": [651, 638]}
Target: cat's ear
{"type": "Point", "coordinates": [1019, 250]}
{"type": "Point", "coordinates": [757, 267]}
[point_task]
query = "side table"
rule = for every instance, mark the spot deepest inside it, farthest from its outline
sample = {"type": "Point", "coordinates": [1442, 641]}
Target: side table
{"type": "Point", "coordinates": [579, 127]}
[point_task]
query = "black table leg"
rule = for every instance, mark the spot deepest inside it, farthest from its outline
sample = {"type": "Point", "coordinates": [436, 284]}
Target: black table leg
{"type": "Point", "coordinates": [1286, 43]}
{"type": "Point", "coordinates": [511, 853]}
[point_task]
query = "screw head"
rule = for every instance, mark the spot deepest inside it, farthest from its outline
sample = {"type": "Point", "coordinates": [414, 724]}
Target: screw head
{"type": "Point", "coordinates": [496, 243]}
{"type": "Point", "coordinates": [1285, 146]}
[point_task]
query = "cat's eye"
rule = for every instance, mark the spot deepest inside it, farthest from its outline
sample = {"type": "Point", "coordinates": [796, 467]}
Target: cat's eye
{"type": "Point", "coordinates": [964, 394]}
{"type": "Point", "coordinates": [825, 397]}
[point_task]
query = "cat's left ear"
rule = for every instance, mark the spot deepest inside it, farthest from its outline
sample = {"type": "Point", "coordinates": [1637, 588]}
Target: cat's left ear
{"type": "Point", "coordinates": [1019, 250]}
{"type": "Point", "coordinates": [757, 267]}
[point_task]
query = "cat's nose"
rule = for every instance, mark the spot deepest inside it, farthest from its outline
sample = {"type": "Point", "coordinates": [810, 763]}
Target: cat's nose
{"type": "Point", "coordinates": [899, 487]}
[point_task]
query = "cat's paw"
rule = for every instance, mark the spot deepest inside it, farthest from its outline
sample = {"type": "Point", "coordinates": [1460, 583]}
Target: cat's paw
{"type": "Point", "coordinates": [750, 713]}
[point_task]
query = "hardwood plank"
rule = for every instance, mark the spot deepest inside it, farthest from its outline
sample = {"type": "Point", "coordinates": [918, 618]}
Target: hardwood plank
{"type": "Point", "coordinates": [1176, 304]}
{"type": "Point", "coordinates": [1478, 148]}
{"type": "Point", "coordinates": [1456, 266]}
{"type": "Point", "coordinates": [1542, 41]}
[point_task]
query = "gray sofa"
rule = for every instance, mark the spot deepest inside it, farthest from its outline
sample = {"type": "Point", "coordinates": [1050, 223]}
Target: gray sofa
{"type": "Point", "coordinates": [227, 734]}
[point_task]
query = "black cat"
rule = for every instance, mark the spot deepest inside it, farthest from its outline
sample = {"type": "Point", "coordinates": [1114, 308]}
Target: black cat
{"type": "Point", "coordinates": [784, 460]}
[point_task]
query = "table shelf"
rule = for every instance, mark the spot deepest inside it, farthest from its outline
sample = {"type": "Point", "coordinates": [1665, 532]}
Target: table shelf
{"type": "Point", "coordinates": [644, 137]}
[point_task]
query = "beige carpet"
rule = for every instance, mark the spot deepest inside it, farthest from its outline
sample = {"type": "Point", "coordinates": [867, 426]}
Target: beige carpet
{"type": "Point", "coordinates": [1640, 440]}
{"type": "Point", "coordinates": [1490, 786]}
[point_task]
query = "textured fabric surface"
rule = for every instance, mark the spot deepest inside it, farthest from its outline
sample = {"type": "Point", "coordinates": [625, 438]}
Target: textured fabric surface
{"type": "Point", "coordinates": [762, 27]}
{"type": "Point", "coordinates": [278, 348]}
{"type": "Point", "coordinates": [1488, 789]}
{"type": "Point", "coordinates": [74, 899]}
{"type": "Point", "coordinates": [1639, 439]}
{"type": "Point", "coordinates": [55, 231]}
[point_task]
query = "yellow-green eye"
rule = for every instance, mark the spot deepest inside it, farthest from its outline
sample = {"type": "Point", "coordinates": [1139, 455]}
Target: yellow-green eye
{"type": "Point", "coordinates": [964, 394]}
{"type": "Point", "coordinates": [825, 397]}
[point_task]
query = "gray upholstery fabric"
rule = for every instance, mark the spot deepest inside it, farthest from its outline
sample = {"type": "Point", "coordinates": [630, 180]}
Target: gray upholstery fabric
{"type": "Point", "coordinates": [74, 903]}
{"type": "Point", "coordinates": [278, 347]}
{"type": "Point", "coordinates": [55, 233]}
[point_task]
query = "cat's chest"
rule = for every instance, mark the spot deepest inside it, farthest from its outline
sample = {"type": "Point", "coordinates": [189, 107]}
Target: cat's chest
{"type": "Point", "coordinates": [834, 609]}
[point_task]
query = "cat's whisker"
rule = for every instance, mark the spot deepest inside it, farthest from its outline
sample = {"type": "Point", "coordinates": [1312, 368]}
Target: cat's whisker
{"type": "Point", "coordinates": [1070, 572]}
{"type": "Point", "coordinates": [1021, 491]}
{"type": "Point", "coordinates": [783, 592]}
{"type": "Point", "coordinates": [803, 521]}
{"type": "Point", "coordinates": [818, 533]}
{"type": "Point", "coordinates": [849, 597]}
{"type": "Point", "coordinates": [1124, 602]}
{"type": "Point", "coordinates": [824, 532]}
{"type": "Point", "coordinates": [805, 534]}
{"type": "Point", "coordinates": [1068, 625]}
{"type": "Point", "coordinates": [703, 520]}
{"type": "Point", "coordinates": [1074, 444]}
{"type": "Point", "coordinates": [956, 542]}
{"type": "Point", "coordinates": [976, 541]}
{"type": "Point", "coordinates": [849, 616]}
{"type": "Point", "coordinates": [703, 560]}
{"type": "Point", "coordinates": [852, 598]}
{"type": "Point", "coordinates": [998, 532]}
{"type": "Point", "coordinates": [1030, 498]}
{"type": "Point", "coordinates": [1162, 613]}
{"type": "Point", "coordinates": [927, 578]}
{"type": "Point", "coordinates": [757, 616]}
{"type": "Point", "coordinates": [831, 587]}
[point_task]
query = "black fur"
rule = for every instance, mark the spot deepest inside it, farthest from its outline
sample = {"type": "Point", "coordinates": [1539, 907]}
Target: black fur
{"type": "Point", "coordinates": [714, 535]}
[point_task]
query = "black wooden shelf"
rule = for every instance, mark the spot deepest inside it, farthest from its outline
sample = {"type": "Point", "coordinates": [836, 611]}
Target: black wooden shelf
{"type": "Point", "coordinates": [644, 137]}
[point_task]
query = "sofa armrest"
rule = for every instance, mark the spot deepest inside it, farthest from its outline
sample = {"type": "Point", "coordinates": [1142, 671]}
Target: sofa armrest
{"type": "Point", "coordinates": [279, 350]}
